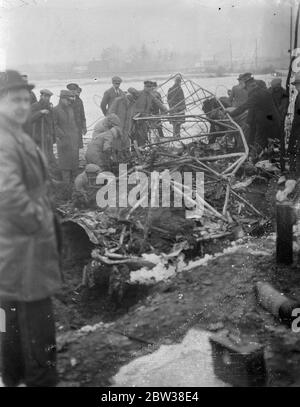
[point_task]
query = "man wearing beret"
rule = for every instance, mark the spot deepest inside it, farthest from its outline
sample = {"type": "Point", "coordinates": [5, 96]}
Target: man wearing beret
{"type": "Point", "coordinates": [67, 136]}
{"type": "Point", "coordinates": [29, 259]}
{"type": "Point", "coordinates": [142, 107]}
{"type": "Point", "coordinates": [41, 124]}
{"type": "Point", "coordinates": [78, 111]}
{"type": "Point", "coordinates": [110, 94]}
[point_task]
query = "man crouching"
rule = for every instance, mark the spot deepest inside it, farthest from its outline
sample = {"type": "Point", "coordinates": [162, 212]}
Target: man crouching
{"type": "Point", "coordinates": [29, 260]}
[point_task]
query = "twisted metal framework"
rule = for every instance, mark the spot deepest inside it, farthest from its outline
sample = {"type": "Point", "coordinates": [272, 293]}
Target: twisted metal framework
{"type": "Point", "coordinates": [205, 123]}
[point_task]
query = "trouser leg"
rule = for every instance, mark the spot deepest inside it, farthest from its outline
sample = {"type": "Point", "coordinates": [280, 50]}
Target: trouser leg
{"type": "Point", "coordinates": [66, 176]}
{"type": "Point", "coordinates": [160, 131]}
{"type": "Point", "coordinates": [176, 130]}
{"type": "Point", "coordinates": [12, 358]}
{"type": "Point", "coordinates": [36, 323]}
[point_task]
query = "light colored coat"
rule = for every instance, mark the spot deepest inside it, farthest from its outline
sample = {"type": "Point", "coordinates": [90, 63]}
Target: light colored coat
{"type": "Point", "coordinates": [29, 260]}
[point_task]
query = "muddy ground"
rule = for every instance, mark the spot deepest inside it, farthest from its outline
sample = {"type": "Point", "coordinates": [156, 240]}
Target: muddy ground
{"type": "Point", "coordinates": [217, 296]}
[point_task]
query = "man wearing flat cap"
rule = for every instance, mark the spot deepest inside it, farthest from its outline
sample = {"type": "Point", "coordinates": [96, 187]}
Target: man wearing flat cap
{"type": "Point", "coordinates": [142, 107]}
{"type": "Point", "coordinates": [110, 94]}
{"type": "Point", "coordinates": [239, 94]}
{"type": "Point", "coordinates": [123, 106]}
{"type": "Point", "coordinates": [78, 111]}
{"type": "Point", "coordinates": [176, 102]}
{"type": "Point", "coordinates": [29, 258]}
{"type": "Point", "coordinates": [67, 136]}
{"type": "Point", "coordinates": [41, 125]}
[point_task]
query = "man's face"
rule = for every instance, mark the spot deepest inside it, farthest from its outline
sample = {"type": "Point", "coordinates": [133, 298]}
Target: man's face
{"type": "Point", "coordinates": [16, 105]}
{"type": "Point", "coordinates": [116, 85]}
{"type": "Point", "coordinates": [65, 101]}
{"type": "Point", "coordinates": [45, 98]}
{"type": "Point", "coordinates": [242, 84]}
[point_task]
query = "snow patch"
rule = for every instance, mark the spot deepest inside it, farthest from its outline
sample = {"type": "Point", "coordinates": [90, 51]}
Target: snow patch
{"type": "Point", "coordinates": [188, 363]}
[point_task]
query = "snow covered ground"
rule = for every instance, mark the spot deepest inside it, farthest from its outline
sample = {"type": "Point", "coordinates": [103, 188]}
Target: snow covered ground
{"type": "Point", "coordinates": [188, 363]}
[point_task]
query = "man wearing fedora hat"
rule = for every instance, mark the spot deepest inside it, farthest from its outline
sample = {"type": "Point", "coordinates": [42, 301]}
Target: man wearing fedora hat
{"type": "Point", "coordinates": [110, 94]}
{"type": "Point", "coordinates": [29, 259]}
{"type": "Point", "coordinates": [294, 142]}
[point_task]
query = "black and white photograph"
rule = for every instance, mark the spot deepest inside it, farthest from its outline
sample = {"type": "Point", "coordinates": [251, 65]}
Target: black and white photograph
{"type": "Point", "coordinates": [149, 197]}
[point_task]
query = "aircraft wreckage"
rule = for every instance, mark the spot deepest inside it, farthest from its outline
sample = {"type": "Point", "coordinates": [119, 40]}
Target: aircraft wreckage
{"type": "Point", "coordinates": [128, 240]}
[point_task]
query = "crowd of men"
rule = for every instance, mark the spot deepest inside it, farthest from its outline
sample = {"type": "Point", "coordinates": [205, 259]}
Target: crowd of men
{"type": "Point", "coordinates": [266, 110]}
{"type": "Point", "coordinates": [260, 111]}
{"type": "Point", "coordinates": [29, 232]}
{"type": "Point", "coordinates": [65, 124]}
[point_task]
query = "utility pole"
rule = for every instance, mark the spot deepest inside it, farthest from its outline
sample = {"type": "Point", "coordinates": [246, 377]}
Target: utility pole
{"type": "Point", "coordinates": [291, 33]}
{"type": "Point", "coordinates": [256, 56]}
{"type": "Point", "coordinates": [230, 50]}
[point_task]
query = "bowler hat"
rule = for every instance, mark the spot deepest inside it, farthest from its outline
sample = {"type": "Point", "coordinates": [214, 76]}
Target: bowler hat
{"type": "Point", "coordinates": [66, 94]}
{"type": "Point", "coordinates": [148, 83]}
{"type": "Point", "coordinates": [13, 80]}
{"type": "Point", "coordinates": [72, 86]}
{"type": "Point", "coordinates": [116, 79]}
{"type": "Point", "coordinates": [46, 92]}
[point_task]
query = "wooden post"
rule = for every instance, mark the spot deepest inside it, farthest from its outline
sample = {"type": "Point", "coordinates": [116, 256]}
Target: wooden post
{"type": "Point", "coordinates": [284, 233]}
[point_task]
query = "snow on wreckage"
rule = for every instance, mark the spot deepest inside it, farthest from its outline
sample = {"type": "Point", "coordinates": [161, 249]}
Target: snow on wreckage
{"type": "Point", "coordinates": [144, 244]}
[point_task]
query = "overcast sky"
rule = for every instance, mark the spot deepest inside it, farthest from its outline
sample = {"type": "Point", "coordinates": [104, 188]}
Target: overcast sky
{"type": "Point", "coordinates": [39, 31]}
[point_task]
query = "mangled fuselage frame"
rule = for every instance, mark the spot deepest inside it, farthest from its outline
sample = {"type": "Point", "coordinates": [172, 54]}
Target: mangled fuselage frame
{"type": "Point", "coordinates": [203, 121]}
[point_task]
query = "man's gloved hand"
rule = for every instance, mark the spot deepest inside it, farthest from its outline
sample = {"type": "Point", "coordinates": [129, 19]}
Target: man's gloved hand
{"type": "Point", "coordinates": [45, 111]}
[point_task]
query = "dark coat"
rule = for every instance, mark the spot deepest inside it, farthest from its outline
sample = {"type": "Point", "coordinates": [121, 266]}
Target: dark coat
{"type": "Point", "coordinates": [281, 100]}
{"type": "Point", "coordinates": [39, 122]}
{"type": "Point", "coordinates": [263, 118]}
{"type": "Point", "coordinates": [176, 99]}
{"type": "Point", "coordinates": [145, 103]}
{"type": "Point", "coordinates": [238, 96]}
{"type": "Point", "coordinates": [29, 260]}
{"type": "Point", "coordinates": [109, 96]}
{"type": "Point", "coordinates": [79, 118]}
{"type": "Point", "coordinates": [67, 137]}
{"type": "Point", "coordinates": [33, 98]}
